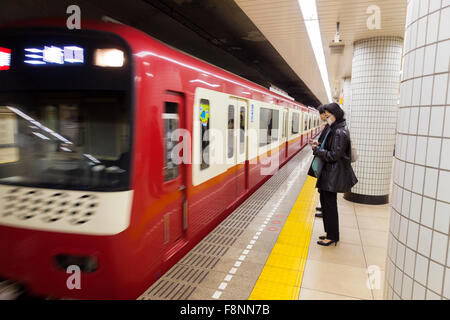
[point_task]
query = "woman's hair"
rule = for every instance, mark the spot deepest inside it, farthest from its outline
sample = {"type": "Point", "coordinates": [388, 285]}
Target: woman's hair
{"type": "Point", "coordinates": [321, 109]}
{"type": "Point", "coordinates": [335, 110]}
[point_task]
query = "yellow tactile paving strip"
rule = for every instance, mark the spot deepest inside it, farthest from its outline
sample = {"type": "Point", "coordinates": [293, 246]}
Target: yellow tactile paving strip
{"type": "Point", "coordinates": [282, 274]}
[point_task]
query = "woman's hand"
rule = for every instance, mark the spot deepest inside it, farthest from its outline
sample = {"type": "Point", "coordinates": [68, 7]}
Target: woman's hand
{"type": "Point", "coordinates": [313, 144]}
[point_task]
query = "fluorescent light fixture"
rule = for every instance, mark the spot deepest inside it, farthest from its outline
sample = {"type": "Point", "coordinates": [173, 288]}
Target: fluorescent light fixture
{"type": "Point", "coordinates": [34, 62]}
{"type": "Point", "coordinates": [34, 56]}
{"type": "Point", "coordinates": [39, 125]}
{"type": "Point", "coordinates": [311, 18]}
{"type": "Point", "coordinates": [34, 50]}
{"type": "Point", "coordinates": [90, 157]}
{"type": "Point", "coordinates": [112, 20]}
{"type": "Point", "coordinates": [40, 135]}
{"type": "Point", "coordinates": [204, 82]}
{"type": "Point", "coordinates": [109, 58]}
{"type": "Point", "coordinates": [65, 149]}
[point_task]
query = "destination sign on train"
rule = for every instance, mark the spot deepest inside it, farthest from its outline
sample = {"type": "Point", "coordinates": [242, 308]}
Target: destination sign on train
{"type": "Point", "coordinates": [54, 55]}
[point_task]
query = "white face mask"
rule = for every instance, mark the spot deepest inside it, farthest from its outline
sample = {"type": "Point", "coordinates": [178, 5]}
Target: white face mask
{"type": "Point", "coordinates": [330, 121]}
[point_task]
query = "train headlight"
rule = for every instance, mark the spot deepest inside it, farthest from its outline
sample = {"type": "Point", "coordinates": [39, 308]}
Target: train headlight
{"type": "Point", "coordinates": [109, 58]}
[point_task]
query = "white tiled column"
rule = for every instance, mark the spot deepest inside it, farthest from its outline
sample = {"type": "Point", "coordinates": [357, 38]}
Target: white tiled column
{"type": "Point", "coordinates": [417, 266]}
{"type": "Point", "coordinates": [375, 94]}
{"type": "Point", "coordinates": [347, 99]}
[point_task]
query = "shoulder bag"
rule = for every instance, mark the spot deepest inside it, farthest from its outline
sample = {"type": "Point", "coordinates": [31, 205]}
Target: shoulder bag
{"type": "Point", "coordinates": [317, 163]}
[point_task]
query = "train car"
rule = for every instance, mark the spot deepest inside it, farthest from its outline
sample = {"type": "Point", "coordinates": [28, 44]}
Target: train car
{"type": "Point", "coordinates": [118, 154]}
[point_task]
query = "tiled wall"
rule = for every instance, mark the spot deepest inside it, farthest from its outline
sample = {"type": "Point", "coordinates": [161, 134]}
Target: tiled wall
{"type": "Point", "coordinates": [347, 99]}
{"type": "Point", "coordinates": [417, 265]}
{"type": "Point", "coordinates": [375, 93]}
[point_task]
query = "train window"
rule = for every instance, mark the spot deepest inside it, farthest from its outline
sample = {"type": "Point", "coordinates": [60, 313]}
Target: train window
{"type": "Point", "coordinates": [275, 124]}
{"type": "Point", "coordinates": [283, 126]}
{"type": "Point", "coordinates": [309, 127]}
{"type": "Point", "coordinates": [295, 123]}
{"type": "Point", "coordinates": [306, 122]}
{"type": "Point", "coordinates": [230, 131]}
{"type": "Point", "coordinates": [171, 123]}
{"type": "Point", "coordinates": [9, 152]}
{"type": "Point", "coordinates": [66, 139]}
{"type": "Point", "coordinates": [242, 130]}
{"type": "Point", "coordinates": [265, 126]}
{"type": "Point", "coordinates": [204, 130]}
{"type": "Point", "coordinates": [286, 124]}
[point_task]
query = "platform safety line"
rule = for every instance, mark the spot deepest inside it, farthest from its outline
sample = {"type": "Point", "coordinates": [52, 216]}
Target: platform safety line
{"type": "Point", "coordinates": [233, 271]}
{"type": "Point", "coordinates": [282, 274]}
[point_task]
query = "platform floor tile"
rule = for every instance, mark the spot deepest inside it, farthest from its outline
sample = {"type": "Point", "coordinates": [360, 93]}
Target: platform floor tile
{"type": "Point", "coordinates": [227, 265]}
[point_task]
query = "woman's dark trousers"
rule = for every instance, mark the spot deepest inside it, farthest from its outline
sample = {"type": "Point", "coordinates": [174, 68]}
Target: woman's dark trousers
{"type": "Point", "coordinates": [328, 200]}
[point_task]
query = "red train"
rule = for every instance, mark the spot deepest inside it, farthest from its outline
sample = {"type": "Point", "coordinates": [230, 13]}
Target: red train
{"type": "Point", "coordinates": [90, 152]}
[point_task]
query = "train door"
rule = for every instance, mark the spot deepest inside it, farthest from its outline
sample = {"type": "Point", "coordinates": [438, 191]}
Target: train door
{"type": "Point", "coordinates": [174, 173]}
{"type": "Point", "coordinates": [237, 143]}
{"type": "Point", "coordinates": [305, 128]}
{"type": "Point", "coordinates": [231, 148]}
{"type": "Point", "coordinates": [242, 147]}
{"type": "Point", "coordinates": [286, 131]}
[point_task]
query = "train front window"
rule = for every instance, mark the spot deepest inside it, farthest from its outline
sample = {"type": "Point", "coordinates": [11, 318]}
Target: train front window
{"type": "Point", "coordinates": [73, 140]}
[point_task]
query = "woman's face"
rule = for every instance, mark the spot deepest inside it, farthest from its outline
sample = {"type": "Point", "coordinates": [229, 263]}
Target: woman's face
{"type": "Point", "coordinates": [330, 116]}
{"type": "Point", "coordinates": [323, 117]}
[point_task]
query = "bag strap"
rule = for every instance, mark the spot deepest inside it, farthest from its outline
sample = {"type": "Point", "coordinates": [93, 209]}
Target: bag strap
{"type": "Point", "coordinates": [325, 139]}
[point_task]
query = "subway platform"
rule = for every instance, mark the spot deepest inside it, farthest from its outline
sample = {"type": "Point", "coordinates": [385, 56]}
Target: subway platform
{"type": "Point", "coordinates": [266, 249]}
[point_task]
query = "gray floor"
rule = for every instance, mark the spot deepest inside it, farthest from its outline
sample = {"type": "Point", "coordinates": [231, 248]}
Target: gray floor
{"type": "Point", "coordinates": [227, 263]}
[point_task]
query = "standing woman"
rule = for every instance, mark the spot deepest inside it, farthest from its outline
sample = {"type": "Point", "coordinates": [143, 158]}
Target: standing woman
{"type": "Point", "coordinates": [337, 175]}
{"type": "Point", "coordinates": [322, 136]}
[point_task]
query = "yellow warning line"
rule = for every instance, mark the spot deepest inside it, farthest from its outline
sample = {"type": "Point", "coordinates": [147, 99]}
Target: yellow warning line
{"type": "Point", "coordinates": [282, 275]}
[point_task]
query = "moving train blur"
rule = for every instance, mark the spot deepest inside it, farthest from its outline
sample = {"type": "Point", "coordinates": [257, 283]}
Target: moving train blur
{"type": "Point", "coordinates": [118, 154]}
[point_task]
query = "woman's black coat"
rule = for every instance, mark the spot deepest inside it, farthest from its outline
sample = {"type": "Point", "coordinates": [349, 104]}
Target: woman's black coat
{"type": "Point", "coordinates": [337, 173]}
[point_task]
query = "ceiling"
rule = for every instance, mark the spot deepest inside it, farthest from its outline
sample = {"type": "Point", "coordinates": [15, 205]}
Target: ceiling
{"type": "Point", "coordinates": [353, 26]}
{"type": "Point", "coordinates": [264, 41]}
{"type": "Point", "coordinates": [281, 22]}
{"type": "Point", "coordinates": [216, 31]}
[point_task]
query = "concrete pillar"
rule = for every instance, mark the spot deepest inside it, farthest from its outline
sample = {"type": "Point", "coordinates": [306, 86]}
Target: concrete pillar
{"type": "Point", "coordinates": [417, 266]}
{"type": "Point", "coordinates": [375, 94]}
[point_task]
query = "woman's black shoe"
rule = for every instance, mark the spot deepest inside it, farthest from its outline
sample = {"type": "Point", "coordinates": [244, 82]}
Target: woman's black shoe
{"type": "Point", "coordinates": [326, 244]}
{"type": "Point", "coordinates": [319, 209]}
{"type": "Point", "coordinates": [319, 215]}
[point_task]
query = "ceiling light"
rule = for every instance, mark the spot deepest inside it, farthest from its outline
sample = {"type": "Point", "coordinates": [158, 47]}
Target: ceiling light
{"type": "Point", "coordinates": [309, 12]}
